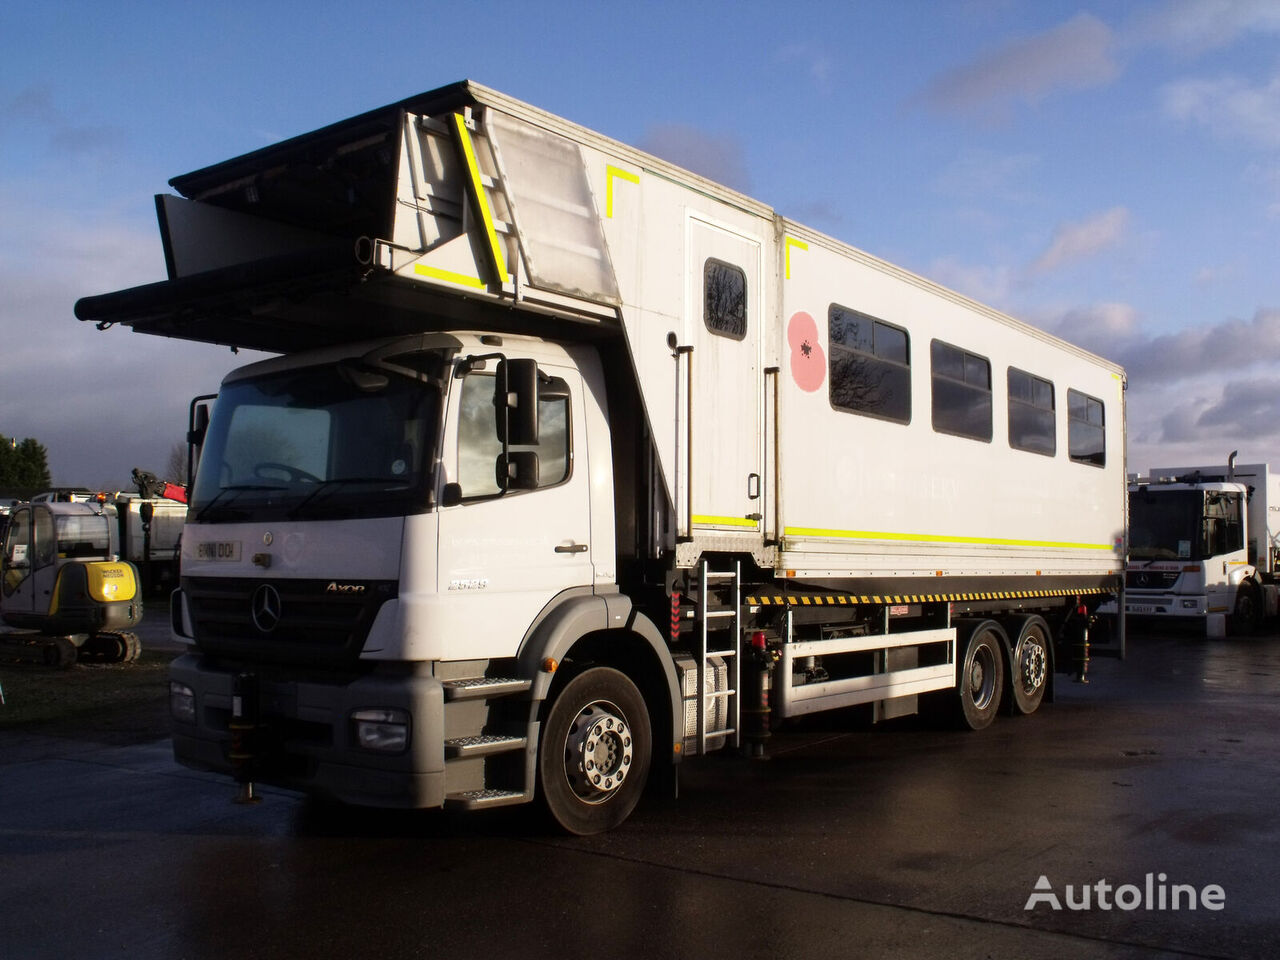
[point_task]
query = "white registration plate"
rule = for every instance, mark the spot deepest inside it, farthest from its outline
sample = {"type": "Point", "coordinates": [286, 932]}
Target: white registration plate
{"type": "Point", "coordinates": [1139, 608]}
{"type": "Point", "coordinates": [218, 550]}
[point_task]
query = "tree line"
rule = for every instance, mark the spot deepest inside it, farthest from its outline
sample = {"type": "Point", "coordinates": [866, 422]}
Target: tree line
{"type": "Point", "coordinates": [24, 466]}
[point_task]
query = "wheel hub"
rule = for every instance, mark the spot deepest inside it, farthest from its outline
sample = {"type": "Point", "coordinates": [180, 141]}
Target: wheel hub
{"type": "Point", "coordinates": [599, 752]}
{"type": "Point", "coordinates": [1034, 666]}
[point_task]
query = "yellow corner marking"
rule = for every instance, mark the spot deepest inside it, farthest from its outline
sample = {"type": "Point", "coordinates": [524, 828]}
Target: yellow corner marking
{"type": "Point", "coordinates": [610, 173]}
{"type": "Point", "coordinates": [790, 242]}
{"type": "Point", "coordinates": [482, 202]}
{"type": "Point", "coordinates": [435, 273]}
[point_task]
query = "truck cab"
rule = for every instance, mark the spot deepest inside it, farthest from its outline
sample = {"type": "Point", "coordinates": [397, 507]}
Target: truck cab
{"type": "Point", "coordinates": [429, 500]}
{"type": "Point", "coordinates": [1195, 553]}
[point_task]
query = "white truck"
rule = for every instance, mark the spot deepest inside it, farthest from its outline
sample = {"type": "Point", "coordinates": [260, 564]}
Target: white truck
{"type": "Point", "coordinates": [1203, 546]}
{"type": "Point", "coordinates": [574, 462]}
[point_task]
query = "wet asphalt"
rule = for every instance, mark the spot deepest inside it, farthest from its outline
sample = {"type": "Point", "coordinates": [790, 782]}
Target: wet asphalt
{"type": "Point", "coordinates": [902, 840]}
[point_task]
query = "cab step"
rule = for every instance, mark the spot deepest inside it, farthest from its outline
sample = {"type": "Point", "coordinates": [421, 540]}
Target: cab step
{"type": "Point", "coordinates": [480, 688]}
{"type": "Point", "coordinates": [484, 799]}
{"type": "Point", "coordinates": [482, 746]}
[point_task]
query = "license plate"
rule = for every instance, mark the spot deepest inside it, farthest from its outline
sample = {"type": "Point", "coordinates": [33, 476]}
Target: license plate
{"type": "Point", "coordinates": [218, 550]}
{"type": "Point", "coordinates": [1139, 608]}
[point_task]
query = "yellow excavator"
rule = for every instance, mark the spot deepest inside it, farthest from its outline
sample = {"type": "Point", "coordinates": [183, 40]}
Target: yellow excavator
{"type": "Point", "coordinates": [63, 587]}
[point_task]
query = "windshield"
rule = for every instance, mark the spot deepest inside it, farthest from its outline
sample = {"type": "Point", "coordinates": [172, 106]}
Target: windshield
{"type": "Point", "coordinates": [83, 536]}
{"type": "Point", "coordinates": [345, 440]}
{"type": "Point", "coordinates": [1183, 524]}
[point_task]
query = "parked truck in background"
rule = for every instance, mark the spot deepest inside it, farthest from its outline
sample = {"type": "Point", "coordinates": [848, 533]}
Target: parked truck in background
{"type": "Point", "coordinates": [1204, 542]}
{"type": "Point", "coordinates": [573, 462]}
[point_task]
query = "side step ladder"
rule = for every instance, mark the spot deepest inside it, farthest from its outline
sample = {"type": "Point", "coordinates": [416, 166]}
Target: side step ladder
{"type": "Point", "coordinates": [485, 744]}
{"type": "Point", "coordinates": [718, 623]}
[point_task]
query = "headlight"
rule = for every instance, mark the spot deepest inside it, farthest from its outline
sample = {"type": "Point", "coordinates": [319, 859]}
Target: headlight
{"type": "Point", "coordinates": [182, 702]}
{"type": "Point", "coordinates": [382, 729]}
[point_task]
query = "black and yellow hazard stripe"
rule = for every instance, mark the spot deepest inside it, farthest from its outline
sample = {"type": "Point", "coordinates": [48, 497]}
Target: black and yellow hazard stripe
{"type": "Point", "coordinates": [835, 599]}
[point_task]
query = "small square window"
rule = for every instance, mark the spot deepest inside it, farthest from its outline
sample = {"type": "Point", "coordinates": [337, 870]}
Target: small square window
{"type": "Point", "coordinates": [724, 299]}
{"type": "Point", "coordinates": [870, 366]}
{"type": "Point", "coordinates": [1086, 433]}
{"type": "Point", "coordinates": [961, 392]}
{"type": "Point", "coordinates": [1032, 424]}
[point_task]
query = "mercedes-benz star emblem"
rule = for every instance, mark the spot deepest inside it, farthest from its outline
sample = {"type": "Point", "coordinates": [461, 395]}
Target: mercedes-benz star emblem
{"type": "Point", "coordinates": [266, 608]}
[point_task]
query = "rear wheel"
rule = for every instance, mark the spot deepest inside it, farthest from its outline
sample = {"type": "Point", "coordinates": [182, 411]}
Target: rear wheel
{"type": "Point", "coordinates": [980, 679]}
{"type": "Point", "coordinates": [1029, 671]}
{"type": "Point", "coordinates": [594, 753]}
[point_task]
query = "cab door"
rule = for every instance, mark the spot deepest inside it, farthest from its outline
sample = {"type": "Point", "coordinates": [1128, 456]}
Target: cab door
{"type": "Point", "coordinates": [17, 561]}
{"type": "Point", "coordinates": [504, 554]}
{"type": "Point", "coordinates": [725, 302]}
{"type": "Point", "coordinates": [30, 567]}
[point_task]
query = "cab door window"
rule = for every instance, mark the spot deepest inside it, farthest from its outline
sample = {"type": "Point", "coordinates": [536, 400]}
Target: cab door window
{"type": "Point", "coordinates": [17, 551]}
{"type": "Point", "coordinates": [44, 545]}
{"type": "Point", "coordinates": [479, 447]}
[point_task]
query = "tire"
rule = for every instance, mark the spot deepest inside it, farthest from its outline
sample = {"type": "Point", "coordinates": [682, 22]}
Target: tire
{"type": "Point", "coordinates": [594, 752]}
{"type": "Point", "coordinates": [980, 676]}
{"type": "Point", "coordinates": [1029, 671]}
{"type": "Point", "coordinates": [1246, 615]}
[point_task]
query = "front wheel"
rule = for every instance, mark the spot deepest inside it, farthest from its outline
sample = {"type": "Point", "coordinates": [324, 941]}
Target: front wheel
{"type": "Point", "coordinates": [1245, 617]}
{"type": "Point", "coordinates": [594, 754]}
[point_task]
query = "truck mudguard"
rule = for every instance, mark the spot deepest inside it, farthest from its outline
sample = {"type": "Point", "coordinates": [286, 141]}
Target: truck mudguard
{"type": "Point", "coordinates": [576, 613]}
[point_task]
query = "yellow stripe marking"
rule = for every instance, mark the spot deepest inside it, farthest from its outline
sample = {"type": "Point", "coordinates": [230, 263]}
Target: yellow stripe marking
{"type": "Point", "coordinates": [940, 538]}
{"type": "Point", "coordinates": [610, 173]}
{"type": "Point", "coordinates": [448, 276]}
{"type": "Point", "coordinates": [486, 215]}
{"type": "Point", "coordinates": [705, 520]}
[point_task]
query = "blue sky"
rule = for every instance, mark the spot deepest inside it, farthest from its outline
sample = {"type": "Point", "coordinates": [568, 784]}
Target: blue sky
{"type": "Point", "coordinates": [1109, 172]}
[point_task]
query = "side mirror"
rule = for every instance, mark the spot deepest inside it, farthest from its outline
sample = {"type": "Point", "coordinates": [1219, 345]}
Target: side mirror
{"type": "Point", "coordinates": [451, 495]}
{"type": "Point", "coordinates": [199, 424]}
{"type": "Point", "coordinates": [518, 470]}
{"type": "Point", "coordinates": [515, 399]}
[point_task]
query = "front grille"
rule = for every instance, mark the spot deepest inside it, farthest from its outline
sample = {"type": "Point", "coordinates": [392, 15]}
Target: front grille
{"type": "Point", "coordinates": [316, 623]}
{"type": "Point", "coordinates": [1151, 579]}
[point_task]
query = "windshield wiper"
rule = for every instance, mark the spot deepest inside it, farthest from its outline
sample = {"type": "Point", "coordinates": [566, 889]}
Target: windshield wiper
{"type": "Point", "coordinates": [237, 489]}
{"type": "Point", "coordinates": [328, 486]}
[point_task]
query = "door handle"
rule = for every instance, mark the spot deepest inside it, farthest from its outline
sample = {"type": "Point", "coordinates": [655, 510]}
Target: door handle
{"type": "Point", "coordinates": [572, 548]}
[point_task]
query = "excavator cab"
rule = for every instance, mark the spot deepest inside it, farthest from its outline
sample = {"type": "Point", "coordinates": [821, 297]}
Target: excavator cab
{"type": "Point", "coordinates": [60, 579]}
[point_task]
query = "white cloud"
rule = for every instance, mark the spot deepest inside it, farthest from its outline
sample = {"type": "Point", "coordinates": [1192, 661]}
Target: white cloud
{"type": "Point", "coordinates": [1231, 346]}
{"type": "Point", "coordinates": [1075, 55]}
{"type": "Point", "coordinates": [982, 283]}
{"type": "Point", "coordinates": [718, 158]}
{"type": "Point", "coordinates": [986, 174]}
{"type": "Point", "coordinates": [101, 403]}
{"type": "Point", "coordinates": [1193, 395]}
{"type": "Point", "coordinates": [1078, 241]}
{"type": "Point", "coordinates": [1229, 107]}
{"type": "Point", "coordinates": [817, 63]}
{"type": "Point", "coordinates": [1110, 330]}
{"type": "Point", "coordinates": [1196, 26]}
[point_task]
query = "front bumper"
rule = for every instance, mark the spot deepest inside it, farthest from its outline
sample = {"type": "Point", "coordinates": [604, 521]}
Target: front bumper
{"type": "Point", "coordinates": [303, 737]}
{"type": "Point", "coordinates": [1165, 605]}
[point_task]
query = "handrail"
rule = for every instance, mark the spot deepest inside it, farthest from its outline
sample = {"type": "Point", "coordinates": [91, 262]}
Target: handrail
{"type": "Point", "coordinates": [687, 352]}
{"type": "Point", "coordinates": [774, 480]}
